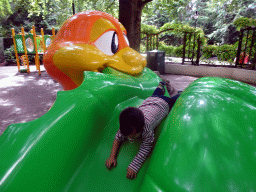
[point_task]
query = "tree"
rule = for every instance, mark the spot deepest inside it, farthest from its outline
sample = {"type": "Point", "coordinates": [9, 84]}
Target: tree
{"type": "Point", "coordinates": [130, 16]}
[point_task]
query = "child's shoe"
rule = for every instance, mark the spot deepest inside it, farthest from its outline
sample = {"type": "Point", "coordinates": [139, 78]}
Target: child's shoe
{"type": "Point", "coordinates": [161, 86]}
{"type": "Point", "coordinates": [169, 87]}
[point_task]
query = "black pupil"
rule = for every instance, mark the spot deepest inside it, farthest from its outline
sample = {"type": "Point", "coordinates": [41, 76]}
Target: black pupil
{"type": "Point", "coordinates": [114, 46]}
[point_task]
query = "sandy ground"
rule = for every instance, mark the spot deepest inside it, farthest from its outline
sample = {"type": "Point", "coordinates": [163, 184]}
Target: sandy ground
{"type": "Point", "coordinates": [25, 97]}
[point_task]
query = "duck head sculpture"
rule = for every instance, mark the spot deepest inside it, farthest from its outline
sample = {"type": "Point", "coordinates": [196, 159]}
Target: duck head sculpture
{"type": "Point", "coordinates": [90, 41]}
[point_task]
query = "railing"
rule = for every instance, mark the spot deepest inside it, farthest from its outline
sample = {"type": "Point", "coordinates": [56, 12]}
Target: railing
{"type": "Point", "coordinates": [190, 49]}
{"type": "Point", "coordinates": [246, 52]}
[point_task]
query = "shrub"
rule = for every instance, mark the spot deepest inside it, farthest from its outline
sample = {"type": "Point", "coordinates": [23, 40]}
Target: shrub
{"type": "Point", "coordinates": [9, 55]}
{"type": "Point", "coordinates": [209, 51]}
{"type": "Point", "coordinates": [226, 53]}
{"type": "Point", "coordinates": [143, 48]}
{"type": "Point", "coordinates": [169, 50]}
{"type": "Point", "coordinates": [178, 51]}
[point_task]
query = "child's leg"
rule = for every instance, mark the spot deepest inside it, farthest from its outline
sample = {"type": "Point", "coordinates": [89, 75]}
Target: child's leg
{"type": "Point", "coordinates": [173, 100]}
{"type": "Point", "coordinates": [169, 100]}
{"type": "Point", "coordinates": [160, 90]}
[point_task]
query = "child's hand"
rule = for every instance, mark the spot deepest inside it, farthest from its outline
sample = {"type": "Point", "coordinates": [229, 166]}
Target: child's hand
{"type": "Point", "coordinates": [131, 174]}
{"type": "Point", "coordinates": [110, 162]}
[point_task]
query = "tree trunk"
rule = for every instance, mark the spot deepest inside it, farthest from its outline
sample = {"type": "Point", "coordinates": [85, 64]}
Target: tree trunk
{"type": "Point", "coordinates": [130, 16]}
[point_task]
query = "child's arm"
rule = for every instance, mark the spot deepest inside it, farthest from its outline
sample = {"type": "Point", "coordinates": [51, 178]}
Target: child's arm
{"type": "Point", "coordinates": [145, 149]}
{"type": "Point", "coordinates": [111, 161]}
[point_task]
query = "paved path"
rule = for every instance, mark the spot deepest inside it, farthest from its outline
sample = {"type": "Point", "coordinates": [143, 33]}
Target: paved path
{"type": "Point", "coordinates": [25, 97]}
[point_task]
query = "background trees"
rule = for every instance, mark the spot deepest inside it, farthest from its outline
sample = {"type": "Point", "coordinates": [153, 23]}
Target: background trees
{"type": "Point", "coordinates": [216, 17]}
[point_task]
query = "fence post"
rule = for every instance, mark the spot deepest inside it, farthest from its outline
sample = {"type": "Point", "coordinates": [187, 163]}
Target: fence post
{"type": "Point", "coordinates": [254, 62]}
{"type": "Point", "coordinates": [198, 50]}
{"type": "Point", "coordinates": [157, 42]}
{"type": "Point", "coordinates": [190, 35]}
{"type": "Point", "coordinates": [239, 47]}
{"type": "Point", "coordinates": [147, 42]}
{"type": "Point", "coordinates": [252, 43]}
{"type": "Point", "coordinates": [25, 48]}
{"type": "Point", "coordinates": [15, 49]}
{"type": "Point", "coordinates": [245, 47]}
{"type": "Point", "coordinates": [184, 47]}
{"type": "Point", "coordinates": [154, 38]}
{"type": "Point", "coordinates": [194, 48]}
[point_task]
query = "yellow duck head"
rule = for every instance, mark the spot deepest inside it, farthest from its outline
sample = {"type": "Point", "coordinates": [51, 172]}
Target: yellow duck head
{"type": "Point", "coordinates": [90, 41]}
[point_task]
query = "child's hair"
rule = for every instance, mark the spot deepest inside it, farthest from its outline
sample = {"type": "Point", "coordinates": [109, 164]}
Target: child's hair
{"type": "Point", "coordinates": [130, 118]}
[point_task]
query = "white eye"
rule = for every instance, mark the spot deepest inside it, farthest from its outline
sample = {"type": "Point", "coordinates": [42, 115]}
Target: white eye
{"type": "Point", "coordinates": [126, 39]}
{"type": "Point", "coordinates": [108, 43]}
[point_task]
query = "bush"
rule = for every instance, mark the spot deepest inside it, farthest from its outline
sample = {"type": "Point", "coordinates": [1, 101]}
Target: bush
{"type": "Point", "coordinates": [169, 50]}
{"type": "Point", "coordinates": [209, 51]}
{"type": "Point", "coordinates": [143, 48]}
{"type": "Point", "coordinates": [226, 53]}
{"type": "Point", "coordinates": [9, 55]}
{"type": "Point", "coordinates": [178, 51]}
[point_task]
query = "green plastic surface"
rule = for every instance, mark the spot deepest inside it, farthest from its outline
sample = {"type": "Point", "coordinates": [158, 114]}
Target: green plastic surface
{"type": "Point", "coordinates": [207, 142]}
{"type": "Point", "coordinates": [66, 149]}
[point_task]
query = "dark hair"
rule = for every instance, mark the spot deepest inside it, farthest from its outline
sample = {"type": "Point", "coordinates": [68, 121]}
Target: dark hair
{"type": "Point", "coordinates": [131, 117]}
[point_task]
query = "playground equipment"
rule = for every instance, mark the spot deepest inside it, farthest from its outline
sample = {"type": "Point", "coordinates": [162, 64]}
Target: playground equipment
{"type": "Point", "coordinates": [30, 44]}
{"type": "Point", "coordinates": [101, 43]}
{"type": "Point", "coordinates": [66, 149]}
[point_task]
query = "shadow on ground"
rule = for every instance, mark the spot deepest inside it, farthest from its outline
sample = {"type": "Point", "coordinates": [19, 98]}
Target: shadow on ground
{"type": "Point", "coordinates": [25, 97]}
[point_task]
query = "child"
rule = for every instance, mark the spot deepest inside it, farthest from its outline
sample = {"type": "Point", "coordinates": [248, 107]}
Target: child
{"type": "Point", "coordinates": [140, 123]}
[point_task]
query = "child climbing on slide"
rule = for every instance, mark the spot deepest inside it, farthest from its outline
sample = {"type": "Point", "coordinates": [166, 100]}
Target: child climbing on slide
{"type": "Point", "coordinates": [139, 123]}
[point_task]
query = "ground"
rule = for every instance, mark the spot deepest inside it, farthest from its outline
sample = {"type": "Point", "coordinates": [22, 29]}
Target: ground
{"type": "Point", "coordinates": [25, 97]}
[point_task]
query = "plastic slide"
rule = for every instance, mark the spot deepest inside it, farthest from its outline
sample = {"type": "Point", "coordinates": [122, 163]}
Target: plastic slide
{"type": "Point", "coordinates": [207, 142]}
{"type": "Point", "coordinates": [66, 149]}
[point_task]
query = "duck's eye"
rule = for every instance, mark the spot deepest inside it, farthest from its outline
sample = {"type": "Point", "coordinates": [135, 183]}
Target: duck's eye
{"type": "Point", "coordinates": [114, 45]}
{"type": "Point", "coordinates": [126, 39]}
{"type": "Point", "coordinates": [108, 43]}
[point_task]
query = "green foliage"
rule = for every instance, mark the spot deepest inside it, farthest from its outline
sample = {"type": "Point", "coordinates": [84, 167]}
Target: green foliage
{"type": "Point", "coordinates": [226, 53]}
{"type": "Point", "coordinates": [177, 28]}
{"type": "Point", "coordinates": [149, 29]}
{"type": "Point", "coordinates": [244, 22]}
{"type": "Point", "coordinates": [46, 14]}
{"type": "Point", "coordinates": [5, 8]}
{"type": "Point", "coordinates": [9, 55]}
{"type": "Point", "coordinates": [209, 51]}
{"type": "Point", "coordinates": [223, 52]}
{"type": "Point", "coordinates": [178, 51]}
{"type": "Point", "coordinates": [143, 48]}
{"type": "Point", "coordinates": [169, 50]}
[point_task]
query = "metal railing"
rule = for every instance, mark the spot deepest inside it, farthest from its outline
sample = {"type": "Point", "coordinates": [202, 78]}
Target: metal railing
{"type": "Point", "coordinates": [190, 49]}
{"type": "Point", "coordinates": [246, 52]}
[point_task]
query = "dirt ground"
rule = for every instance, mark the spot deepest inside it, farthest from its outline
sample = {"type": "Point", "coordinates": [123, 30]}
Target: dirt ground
{"type": "Point", "coordinates": [25, 97]}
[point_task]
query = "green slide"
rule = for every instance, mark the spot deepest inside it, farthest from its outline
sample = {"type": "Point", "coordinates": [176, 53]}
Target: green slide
{"type": "Point", "coordinates": [207, 142]}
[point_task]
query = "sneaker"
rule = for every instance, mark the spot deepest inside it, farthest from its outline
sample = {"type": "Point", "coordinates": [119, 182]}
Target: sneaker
{"type": "Point", "coordinates": [161, 86]}
{"type": "Point", "coordinates": [162, 83]}
{"type": "Point", "coordinates": [169, 87]}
